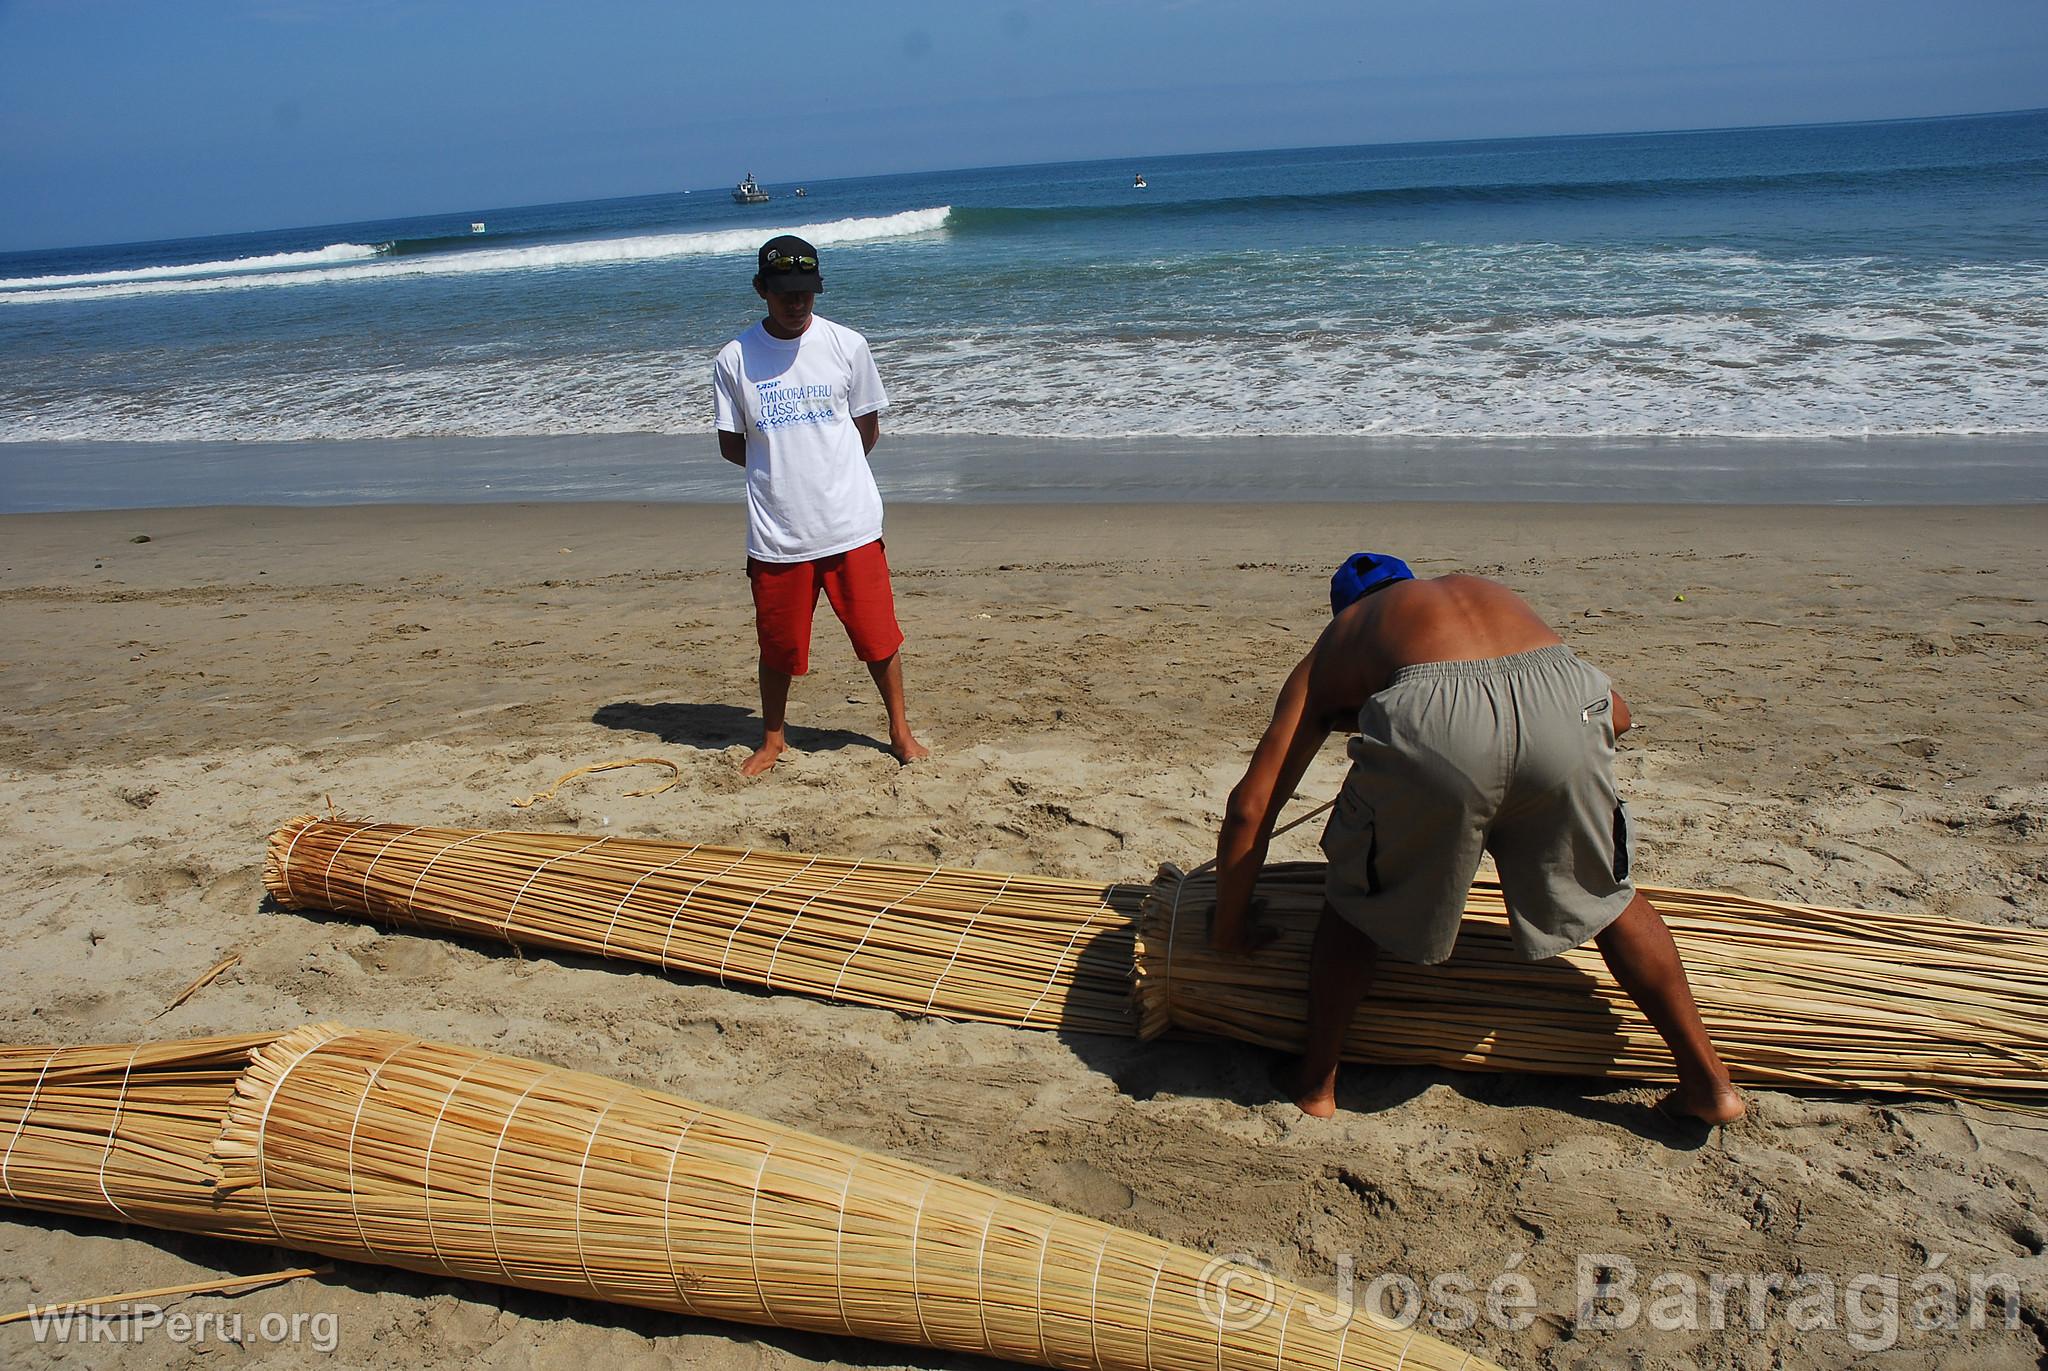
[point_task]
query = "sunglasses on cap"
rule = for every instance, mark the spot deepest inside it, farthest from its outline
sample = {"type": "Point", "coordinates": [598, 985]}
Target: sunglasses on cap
{"type": "Point", "coordinates": [783, 261]}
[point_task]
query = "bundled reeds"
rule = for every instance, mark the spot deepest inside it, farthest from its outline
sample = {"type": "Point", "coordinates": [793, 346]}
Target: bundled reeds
{"type": "Point", "coordinates": [960, 944]}
{"type": "Point", "coordinates": [378, 1147]}
{"type": "Point", "coordinates": [1794, 995]}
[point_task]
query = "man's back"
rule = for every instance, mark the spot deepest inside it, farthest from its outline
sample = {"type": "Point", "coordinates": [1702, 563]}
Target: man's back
{"type": "Point", "coordinates": [1446, 619]}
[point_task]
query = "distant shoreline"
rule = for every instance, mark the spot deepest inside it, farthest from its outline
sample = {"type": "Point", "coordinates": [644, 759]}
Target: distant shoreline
{"type": "Point", "coordinates": [40, 477]}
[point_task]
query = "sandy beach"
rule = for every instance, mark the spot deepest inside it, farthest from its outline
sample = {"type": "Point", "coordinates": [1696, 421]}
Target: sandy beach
{"type": "Point", "coordinates": [1834, 705]}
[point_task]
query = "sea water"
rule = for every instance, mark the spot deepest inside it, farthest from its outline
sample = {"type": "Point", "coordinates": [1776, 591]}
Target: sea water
{"type": "Point", "coordinates": [1880, 284]}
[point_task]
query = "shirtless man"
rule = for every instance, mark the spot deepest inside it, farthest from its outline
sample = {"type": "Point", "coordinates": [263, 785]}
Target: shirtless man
{"type": "Point", "coordinates": [1476, 730]}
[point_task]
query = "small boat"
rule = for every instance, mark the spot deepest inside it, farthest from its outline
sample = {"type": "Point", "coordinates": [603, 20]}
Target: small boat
{"type": "Point", "coordinates": [1138, 181]}
{"type": "Point", "coordinates": [749, 192]}
{"type": "Point", "coordinates": [477, 226]}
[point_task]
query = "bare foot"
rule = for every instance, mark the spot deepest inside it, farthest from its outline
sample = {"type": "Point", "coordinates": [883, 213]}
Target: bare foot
{"type": "Point", "coordinates": [1317, 1099]}
{"type": "Point", "coordinates": [908, 749]}
{"type": "Point", "coordinates": [762, 758]}
{"type": "Point", "coordinates": [1716, 1104]}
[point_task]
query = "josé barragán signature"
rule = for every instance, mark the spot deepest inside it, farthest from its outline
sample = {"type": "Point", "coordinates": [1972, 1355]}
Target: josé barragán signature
{"type": "Point", "coordinates": [1875, 1310]}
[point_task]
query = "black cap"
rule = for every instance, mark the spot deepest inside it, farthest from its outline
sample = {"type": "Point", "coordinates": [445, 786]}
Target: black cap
{"type": "Point", "coordinates": [789, 264]}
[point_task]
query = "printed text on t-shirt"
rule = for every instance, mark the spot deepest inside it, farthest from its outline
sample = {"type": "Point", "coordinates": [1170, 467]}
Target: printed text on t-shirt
{"type": "Point", "coordinates": [781, 405]}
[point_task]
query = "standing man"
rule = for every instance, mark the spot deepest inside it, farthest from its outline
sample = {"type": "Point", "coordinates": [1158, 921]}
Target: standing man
{"type": "Point", "coordinates": [798, 405]}
{"type": "Point", "coordinates": [1477, 730]}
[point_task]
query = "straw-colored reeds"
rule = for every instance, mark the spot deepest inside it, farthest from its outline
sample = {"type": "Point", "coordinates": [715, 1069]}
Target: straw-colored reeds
{"type": "Point", "coordinates": [378, 1147]}
{"type": "Point", "coordinates": [959, 944]}
{"type": "Point", "coordinates": [1794, 995]}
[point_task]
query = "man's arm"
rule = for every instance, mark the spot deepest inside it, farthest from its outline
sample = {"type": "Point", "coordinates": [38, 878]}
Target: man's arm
{"type": "Point", "coordinates": [869, 426]}
{"type": "Point", "coordinates": [1622, 718]}
{"type": "Point", "coordinates": [1290, 743]}
{"type": "Point", "coordinates": [733, 447]}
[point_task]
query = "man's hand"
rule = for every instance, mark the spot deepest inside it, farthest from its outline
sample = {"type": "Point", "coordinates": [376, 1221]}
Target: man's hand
{"type": "Point", "coordinates": [1241, 936]}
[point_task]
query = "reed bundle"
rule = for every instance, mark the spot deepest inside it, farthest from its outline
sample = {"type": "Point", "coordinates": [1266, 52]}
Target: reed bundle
{"type": "Point", "coordinates": [959, 944]}
{"type": "Point", "coordinates": [378, 1147]}
{"type": "Point", "coordinates": [1793, 995]}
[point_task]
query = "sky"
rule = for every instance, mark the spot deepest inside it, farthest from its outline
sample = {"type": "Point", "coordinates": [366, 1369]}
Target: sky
{"type": "Point", "coordinates": [134, 120]}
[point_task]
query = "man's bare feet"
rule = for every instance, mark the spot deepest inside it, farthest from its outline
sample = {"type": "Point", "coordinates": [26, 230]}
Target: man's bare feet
{"type": "Point", "coordinates": [762, 758]}
{"type": "Point", "coordinates": [1713, 1104]}
{"type": "Point", "coordinates": [1315, 1098]}
{"type": "Point", "coordinates": [908, 749]}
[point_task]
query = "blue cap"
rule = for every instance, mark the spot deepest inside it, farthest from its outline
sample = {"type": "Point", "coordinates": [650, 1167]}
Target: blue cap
{"type": "Point", "coordinates": [1362, 574]}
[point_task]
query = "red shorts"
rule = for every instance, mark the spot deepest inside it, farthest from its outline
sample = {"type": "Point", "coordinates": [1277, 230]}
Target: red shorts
{"type": "Point", "coordinates": [857, 584]}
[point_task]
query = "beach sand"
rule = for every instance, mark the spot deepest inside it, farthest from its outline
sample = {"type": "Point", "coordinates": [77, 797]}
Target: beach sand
{"type": "Point", "coordinates": [1842, 706]}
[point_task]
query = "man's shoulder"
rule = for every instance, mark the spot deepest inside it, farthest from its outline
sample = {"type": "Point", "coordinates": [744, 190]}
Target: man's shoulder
{"type": "Point", "coordinates": [732, 350]}
{"type": "Point", "coordinates": [837, 332]}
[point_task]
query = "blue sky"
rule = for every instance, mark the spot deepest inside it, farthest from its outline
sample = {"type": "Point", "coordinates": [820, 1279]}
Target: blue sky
{"type": "Point", "coordinates": [122, 120]}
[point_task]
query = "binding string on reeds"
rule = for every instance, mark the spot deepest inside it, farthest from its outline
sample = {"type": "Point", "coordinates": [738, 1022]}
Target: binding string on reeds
{"type": "Point", "coordinates": [379, 1147]}
{"type": "Point", "coordinates": [1793, 995]}
{"type": "Point", "coordinates": [955, 943]}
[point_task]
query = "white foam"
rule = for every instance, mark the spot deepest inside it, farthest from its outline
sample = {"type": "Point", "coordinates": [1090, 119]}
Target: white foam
{"type": "Point", "coordinates": [1522, 341]}
{"type": "Point", "coordinates": [540, 257]}
{"type": "Point", "coordinates": [334, 252]}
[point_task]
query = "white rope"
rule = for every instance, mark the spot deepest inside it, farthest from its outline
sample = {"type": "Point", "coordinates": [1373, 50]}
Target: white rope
{"type": "Point", "coordinates": [839, 1246]}
{"type": "Point", "coordinates": [754, 1229]}
{"type": "Point", "coordinates": [505, 928]}
{"type": "Point", "coordinates": [371, 869]}
{"type": "Point", "coordinates": [797, 918]}
{"type": "Point", "coordinates": [491, 1176]}
{"type": "Point", "coordinates": [965, 933]}
{"type": "Point", "coordinates": [21, 1124]}
{"type": "Point", "coordinates": [924, 1334]}
{"type": "Point", "coordinates": [284, 864]}
{"type": "Point", "coordinates": [981, 1278]}
{"type": "Point", "coordinates": [1413, 1330]}
{"type": "Point", "coordinates": [120, 1107]}
{"type": "Point", "coordinates": [327, 872]}
{"type": "Point", "coordinates": [1280, 1351]}
{"type": "Point", "coordinates": [263, 1130]}
{"type": "Point", "coordinates": [1038, 1296]}
{"type": "Point", "coordinates": [355, 1208]}
{"type": "Point", "coordinates": [661, 958]}
{"type": "Point", "coordinates": [1151, 1298]}
{"type": "Point", "coordinates": [865, 933]}
{"type": "Point", "coordinates": [604, 946]}
{"type": "Point", "coordinates": [1094, 1290]}
{"type": "Point", "coordinates": [1065, 953]}
{"type": "Point", "coordinates": [582, 1170]}
{"type": "Point", "coordinates": [668, 1225]}
{"type": "Point", "coordinates": [412, 896]}
{"type": "Point", "coordinates": [748, 913]}
{"type": "Point", "coordinates": [427, 1171]}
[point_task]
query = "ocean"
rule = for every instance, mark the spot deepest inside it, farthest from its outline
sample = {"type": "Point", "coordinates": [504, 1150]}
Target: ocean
{"type": "Point", "coordinates": [1843, 312]}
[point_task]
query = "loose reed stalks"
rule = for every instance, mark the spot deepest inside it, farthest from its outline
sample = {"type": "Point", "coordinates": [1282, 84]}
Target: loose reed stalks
{"type": "Point", "coordinates": [218, 1285]}
{"type": "Point", "coordinates": [959, 944]}
{"type": "Point", "coordinates": [1793, 995]}
{"type": "Point", "coordinates": [378, 1147]}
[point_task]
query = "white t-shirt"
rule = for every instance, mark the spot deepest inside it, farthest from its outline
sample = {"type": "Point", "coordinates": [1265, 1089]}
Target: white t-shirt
{"type": "Point", "coordinates": [810, 491]}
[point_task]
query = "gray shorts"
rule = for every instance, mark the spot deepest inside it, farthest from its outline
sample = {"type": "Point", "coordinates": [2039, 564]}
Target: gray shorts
{"type": "Point", "coordinates": [1510, 755]}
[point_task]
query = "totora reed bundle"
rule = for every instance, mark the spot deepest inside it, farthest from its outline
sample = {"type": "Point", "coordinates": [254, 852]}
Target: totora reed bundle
{"type": "Point", "coordinates": [974, 945]}
{"type": "Point", "coordinates": [379, 1147]}
{"type": "Point", "coordinates": [1794, 995]}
